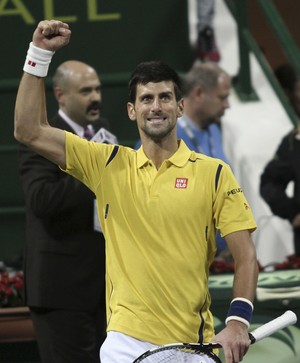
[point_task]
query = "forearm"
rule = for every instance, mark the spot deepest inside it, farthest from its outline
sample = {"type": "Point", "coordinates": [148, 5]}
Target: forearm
{"type": "Point", "coordinates": [31, 125]}
{"type": "Point", "coordinates": [245, 277]}
{"type": "Point", "coordinates": [245, 260]}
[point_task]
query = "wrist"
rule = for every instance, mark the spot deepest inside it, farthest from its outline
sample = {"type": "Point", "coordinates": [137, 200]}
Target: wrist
{"type": "Point", "coordinates": [37, 61]}
{"type": "Point", "coordinates": [241, 310]}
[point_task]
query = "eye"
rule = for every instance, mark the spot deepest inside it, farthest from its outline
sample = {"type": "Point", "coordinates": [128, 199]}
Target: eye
{"type": "Point", "coordinates": [85, 91]}
{"type": "Point", "coordinates": [165, 97]}
{"type": "Point", "coordinates": [146, 99]}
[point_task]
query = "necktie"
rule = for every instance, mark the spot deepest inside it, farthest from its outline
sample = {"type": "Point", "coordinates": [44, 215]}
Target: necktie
{"type": "Point", "coordinates": [88, 133]}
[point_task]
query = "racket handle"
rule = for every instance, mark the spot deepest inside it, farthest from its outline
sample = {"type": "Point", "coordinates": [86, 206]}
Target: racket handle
{"type": "Point", "coordinates": [284, 320]}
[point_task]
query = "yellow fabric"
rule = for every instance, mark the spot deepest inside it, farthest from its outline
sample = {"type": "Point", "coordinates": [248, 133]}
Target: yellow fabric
{"type": "Point", "coordinates": [159, 235]}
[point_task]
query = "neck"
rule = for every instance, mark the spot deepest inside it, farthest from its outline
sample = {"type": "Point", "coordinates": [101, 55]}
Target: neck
{"type": "Point", "coordinates": [193, 115]}
{"type": "Point", "coordinates": [159, 151]}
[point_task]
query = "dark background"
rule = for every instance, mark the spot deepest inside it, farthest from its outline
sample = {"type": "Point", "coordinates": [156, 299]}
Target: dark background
{"type": "Point", "coordinates": [113, 36]}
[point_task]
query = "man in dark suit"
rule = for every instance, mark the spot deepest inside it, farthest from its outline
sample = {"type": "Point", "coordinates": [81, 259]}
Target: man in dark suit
{"type": "Point", "coordinates": [64, 255]}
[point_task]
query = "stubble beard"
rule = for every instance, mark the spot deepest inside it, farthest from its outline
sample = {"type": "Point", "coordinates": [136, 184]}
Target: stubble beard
{"type": "Point", "coordinates": [157, 134]}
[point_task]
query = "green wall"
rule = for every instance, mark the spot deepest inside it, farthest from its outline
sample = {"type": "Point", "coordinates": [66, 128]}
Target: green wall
{"type": "Point", "coordinates": [113, 36]}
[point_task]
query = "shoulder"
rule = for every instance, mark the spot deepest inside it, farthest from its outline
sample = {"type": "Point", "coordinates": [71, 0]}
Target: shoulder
{"type": "Point", "coordinates": [58, 122]}
{"type": "Point", "coordinates": [287, 143]}
{"type": "Point", "coordinates": [214, 128]}
{"type": "Point", "coordinates": [209, 160]}
{"type": "Point", "coordinates": [81, 145]}
{"type": "Point", "coordinates": [180, 129]}
{"type": "Point", "coordinates": [206, 165]}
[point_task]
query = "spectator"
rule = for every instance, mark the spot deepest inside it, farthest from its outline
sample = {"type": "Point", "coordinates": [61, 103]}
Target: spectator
{"type": "Point", "coordinates": [206, 92]}
{"type": "Point", "coordinates": [290, 82]}
{"type": "Point", "coordinates": [206, 46]}
{"type": "Point", "coordinates": [284, 168]}
{"type": "Point", "coordinates": [64, 254]}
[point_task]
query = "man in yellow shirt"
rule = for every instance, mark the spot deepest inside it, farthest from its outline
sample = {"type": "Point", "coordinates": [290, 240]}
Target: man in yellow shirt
{"type": "Point", "coordinates": [159, 208]}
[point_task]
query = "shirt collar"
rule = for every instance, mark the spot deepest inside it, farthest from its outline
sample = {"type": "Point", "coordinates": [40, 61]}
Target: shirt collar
{"type": "Point", "coordinates": [179, 159]}
{"type": "Point", "coordinates": [184, 120]}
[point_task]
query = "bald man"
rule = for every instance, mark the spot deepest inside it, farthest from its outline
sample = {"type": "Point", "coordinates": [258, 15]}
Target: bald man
{"type": "Point", "coordinates": [64, 258]}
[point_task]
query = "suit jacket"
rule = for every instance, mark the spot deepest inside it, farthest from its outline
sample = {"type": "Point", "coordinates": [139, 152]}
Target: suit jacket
{"type": "Point", "coordinates": [64, 258]}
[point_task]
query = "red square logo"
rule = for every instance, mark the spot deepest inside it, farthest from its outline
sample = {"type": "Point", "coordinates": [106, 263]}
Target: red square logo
{"type": "Point", "coordinates": [31, 63]}
{"type": "Point", "coordinates": [181, 183]}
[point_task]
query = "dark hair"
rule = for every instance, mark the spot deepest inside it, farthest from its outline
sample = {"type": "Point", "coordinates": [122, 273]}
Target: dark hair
{"type": "Point", "coordinates": [153, 71]}
{"type": "Point", "coordinates": [287, 77]}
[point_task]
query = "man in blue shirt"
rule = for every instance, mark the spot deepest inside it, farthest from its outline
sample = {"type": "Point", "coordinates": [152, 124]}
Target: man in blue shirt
{"type": "Point", "coordinates": [206, 92]}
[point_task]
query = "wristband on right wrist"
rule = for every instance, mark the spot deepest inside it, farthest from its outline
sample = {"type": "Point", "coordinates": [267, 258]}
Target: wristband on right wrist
{"type": "Point", "coordinates": [240, 309]}
{"type": "Point", "coordinates": [37, 61]}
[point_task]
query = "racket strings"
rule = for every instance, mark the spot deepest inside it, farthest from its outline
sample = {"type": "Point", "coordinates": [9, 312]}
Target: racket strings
{"type": "Point", "coordinates": [177, 356]}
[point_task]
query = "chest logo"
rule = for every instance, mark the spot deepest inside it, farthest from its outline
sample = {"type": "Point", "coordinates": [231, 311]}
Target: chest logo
{"type": "Point", "coordinates": [181, 183]}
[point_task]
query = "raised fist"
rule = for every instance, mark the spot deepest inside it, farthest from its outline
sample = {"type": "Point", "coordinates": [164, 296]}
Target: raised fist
{"type": "Point", "coordinates": [51, 35]}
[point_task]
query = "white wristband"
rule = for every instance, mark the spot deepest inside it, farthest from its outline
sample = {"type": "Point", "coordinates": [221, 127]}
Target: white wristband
{"type": "Point", "coordinates": [37, 61]}
{"type": "Point", "coordinates": [238, 318]}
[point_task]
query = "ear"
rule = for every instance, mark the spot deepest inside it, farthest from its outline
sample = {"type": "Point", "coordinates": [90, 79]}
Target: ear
{"type": "Point", "coordinates": [180, 108]}
{"type": "Point", "coordinates": [58, 93]}
{"type": "Point", "coordinates": [131, 111]}
{"type": "Point", "coordinates": [197, 91]}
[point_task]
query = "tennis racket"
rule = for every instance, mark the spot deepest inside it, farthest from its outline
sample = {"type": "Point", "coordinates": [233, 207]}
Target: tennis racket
{"type": "Point", "coordinates": [203, 353]}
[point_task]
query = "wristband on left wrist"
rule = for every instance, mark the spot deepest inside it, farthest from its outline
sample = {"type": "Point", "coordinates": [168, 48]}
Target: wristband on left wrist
{"type": "Point", "coordinates": [37, 61]}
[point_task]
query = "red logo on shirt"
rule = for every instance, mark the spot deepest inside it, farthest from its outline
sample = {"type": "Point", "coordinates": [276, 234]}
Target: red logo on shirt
{"type": "Point", "coordinates": [181, 183]}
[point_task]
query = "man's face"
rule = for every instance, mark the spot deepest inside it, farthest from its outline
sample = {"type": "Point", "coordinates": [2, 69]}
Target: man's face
{"type": "Point", "coordinates": [81, 98]}
{"type": "Point", "coordinates": [215, 102]}
{"type": "Point", "coordinates": [155, 109]}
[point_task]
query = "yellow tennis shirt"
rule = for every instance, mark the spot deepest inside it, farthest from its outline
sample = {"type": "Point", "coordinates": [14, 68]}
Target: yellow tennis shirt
{"type": "Point", "coordinates": [159, 227]}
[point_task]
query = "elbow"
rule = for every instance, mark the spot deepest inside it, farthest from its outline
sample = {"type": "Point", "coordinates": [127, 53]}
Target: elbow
{"type": "Point", "coordinates": [23, 135]}
{"type": "Point", "coordinates": [22, 131]}
{"type": "Point", "coordinates": [21, 138]}
{"type": "Point", "coordinates": [19, 133]}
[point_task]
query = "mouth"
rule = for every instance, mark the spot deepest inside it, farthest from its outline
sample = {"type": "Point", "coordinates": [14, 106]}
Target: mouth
{"type": "Point", "coordinates": [94, 111]}
{"type": "Point", "coordinates": [94, 108]}
{"type": "Point", "coordinates": [156, 120]}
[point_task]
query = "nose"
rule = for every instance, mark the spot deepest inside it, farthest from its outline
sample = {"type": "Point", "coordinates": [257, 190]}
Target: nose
{"type": "Point", "coordinates": [96, 95]}
{"type": "Point", "coordinates": [226, 104]}
{"type": "Point", "coordinates": [156, 104]}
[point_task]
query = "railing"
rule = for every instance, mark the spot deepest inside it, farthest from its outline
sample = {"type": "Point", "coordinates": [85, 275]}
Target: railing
{"type": "Point", "coordinates": [247, 44]}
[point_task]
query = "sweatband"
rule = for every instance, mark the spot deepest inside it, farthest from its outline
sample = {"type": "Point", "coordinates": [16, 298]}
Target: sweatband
{"type": "Point", "coordinates": [241, 310]}
{"type": "Point", "coordinates": [37, 61]}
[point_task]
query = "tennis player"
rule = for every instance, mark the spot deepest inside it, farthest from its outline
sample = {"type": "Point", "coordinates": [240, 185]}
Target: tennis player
{"type": "Point", "coordinates": [159, 208]}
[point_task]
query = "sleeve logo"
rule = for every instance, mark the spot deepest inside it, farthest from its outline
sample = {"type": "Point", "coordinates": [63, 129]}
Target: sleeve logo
{"type": "Point", "coordinates": [234, 191]}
